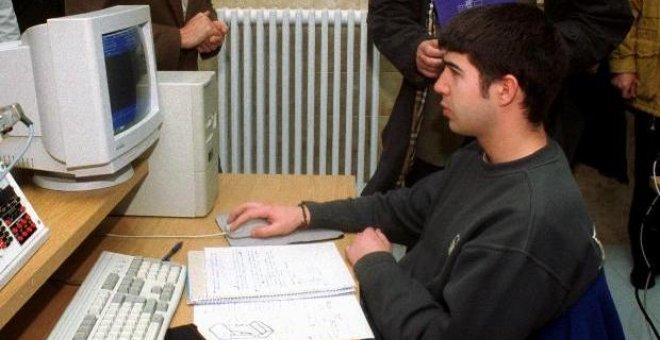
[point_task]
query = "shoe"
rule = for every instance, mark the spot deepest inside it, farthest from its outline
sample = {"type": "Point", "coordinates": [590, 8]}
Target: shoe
{"type": "Point", "coordinates": [638, 278]}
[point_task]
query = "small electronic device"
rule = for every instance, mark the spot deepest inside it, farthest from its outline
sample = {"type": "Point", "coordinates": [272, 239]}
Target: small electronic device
{"type": "Point", "coordinates": [128, 297]}
{"type": "Point", "coordinates": [88, 82]}
{"type": "Point", "coordinates": [21, 230]}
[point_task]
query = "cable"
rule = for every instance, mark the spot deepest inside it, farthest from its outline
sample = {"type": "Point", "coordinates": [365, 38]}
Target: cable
{"type": "Point", "coordinates": [65, 282]}
{"type": "Point", "coordinates": [646, 215]}
{"type": "Point", "coordinates": [20, 155]}
{"type": "Point", "coordinates": [16, 114]}
{"type": "Point", "coordinates": [649, 275]}
{"type": "Point", "coordinates": [641, 230]}
{"type": "Point", "coordinates": [655, 183]}
{"type": "Point", "coordinates": [164, 236]}
{"type": "Point", "coordinates": [646, 316]}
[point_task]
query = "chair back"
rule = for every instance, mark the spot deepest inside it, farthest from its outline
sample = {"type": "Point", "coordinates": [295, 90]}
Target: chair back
{"type": "Point", "coordinates": [592, 317]}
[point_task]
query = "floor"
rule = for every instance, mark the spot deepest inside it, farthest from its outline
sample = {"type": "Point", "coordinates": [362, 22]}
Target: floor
{"type": "Point", "coordinates": [608, 202]}
{"type": "Point", "coordinates": [617, 269]}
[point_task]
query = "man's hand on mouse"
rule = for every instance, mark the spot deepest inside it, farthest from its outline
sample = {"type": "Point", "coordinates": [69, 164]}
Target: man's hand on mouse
{"type": "Point", "coordinates": [282, 220]}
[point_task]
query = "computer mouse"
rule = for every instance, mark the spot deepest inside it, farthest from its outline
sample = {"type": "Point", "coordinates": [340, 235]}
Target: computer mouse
{"type": "Point", "coordinates": [244, 231]}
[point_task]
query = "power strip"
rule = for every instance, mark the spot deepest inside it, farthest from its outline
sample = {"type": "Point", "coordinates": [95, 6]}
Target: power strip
{"type": "Point", "coordinates": [21, 230]}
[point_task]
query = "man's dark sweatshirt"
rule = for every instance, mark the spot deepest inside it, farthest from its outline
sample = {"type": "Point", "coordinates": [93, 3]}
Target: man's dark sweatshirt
{"type": "Point", "coordinates": [500, 249]}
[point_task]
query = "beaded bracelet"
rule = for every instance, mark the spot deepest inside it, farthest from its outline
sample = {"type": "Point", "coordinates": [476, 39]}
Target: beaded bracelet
{"type": "Point", "coordinates": [305, 222]}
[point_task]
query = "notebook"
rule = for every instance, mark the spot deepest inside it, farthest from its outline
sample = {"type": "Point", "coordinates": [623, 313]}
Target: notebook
{"type": "Point", "coordinates": [267, 273]}
{"type": "Point", "coordinates": [330, 318]}
{"type": "Point", "coordinates": [283, 292]}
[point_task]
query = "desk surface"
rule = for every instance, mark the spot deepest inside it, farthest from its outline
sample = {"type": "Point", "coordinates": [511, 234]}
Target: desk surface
{"type": "Point", "coordinates": [70, 217]}
{"type": "Point", "coordinates": [39, 316]}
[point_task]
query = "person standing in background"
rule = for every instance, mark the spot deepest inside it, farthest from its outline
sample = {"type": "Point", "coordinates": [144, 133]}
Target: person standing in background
{"type": "Point", "coordinates": [183, 29]}
{"type": "Point", "coordinates": [402, 31]}
{"type": "Point", "coordinates": [34, 12]}
{"type": "Point", "coordinates": [8, 24]}
{"type": "Point", "coordinates": [635, 66]}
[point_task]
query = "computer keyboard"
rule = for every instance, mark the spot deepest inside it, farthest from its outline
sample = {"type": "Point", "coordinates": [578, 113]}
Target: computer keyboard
{"type": "Point", "coordinates": [123, 297]}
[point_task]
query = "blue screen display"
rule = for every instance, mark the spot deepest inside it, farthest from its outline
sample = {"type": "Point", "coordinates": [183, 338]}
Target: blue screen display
{"type": "Point", "coordinates": [128, 80]}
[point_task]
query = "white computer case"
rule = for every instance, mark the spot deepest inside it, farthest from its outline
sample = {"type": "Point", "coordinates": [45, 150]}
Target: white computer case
{"type": "Point", "coordinates": [183, 165]}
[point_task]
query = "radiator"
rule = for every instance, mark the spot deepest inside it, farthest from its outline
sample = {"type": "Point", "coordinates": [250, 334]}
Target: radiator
{"type": "Point", "coordinates": [298, 93]}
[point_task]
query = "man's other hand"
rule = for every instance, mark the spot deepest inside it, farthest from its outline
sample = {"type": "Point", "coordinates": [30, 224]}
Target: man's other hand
{"type": "Point", "coordinates": [626, 83]}
{"type": "Point", "coordinates": [214, 42]}
{"type": "Point", "coordinates": [370, 240]}
{"type": "Point", "coordinates": [429, 58]}
{"type": "Point", "coordinates": [198, 29]}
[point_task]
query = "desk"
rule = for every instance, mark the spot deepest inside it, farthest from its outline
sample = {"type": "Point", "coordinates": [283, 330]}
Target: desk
{"type": "Point", "coordinates": [71, 217]}
{"type": "Point", "coordinates": [38, 317]}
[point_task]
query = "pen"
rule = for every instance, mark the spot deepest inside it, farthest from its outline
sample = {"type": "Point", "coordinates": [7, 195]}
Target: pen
{"type": "Point", "coordinates": [172, 251]}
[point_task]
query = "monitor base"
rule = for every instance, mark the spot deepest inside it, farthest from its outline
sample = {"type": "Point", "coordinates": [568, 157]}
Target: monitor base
{"type": "Point", "coordinates": [64, 183]}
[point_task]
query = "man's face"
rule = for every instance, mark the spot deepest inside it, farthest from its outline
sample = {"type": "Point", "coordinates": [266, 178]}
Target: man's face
{"type": "Point", "coordinates": [463, 103]}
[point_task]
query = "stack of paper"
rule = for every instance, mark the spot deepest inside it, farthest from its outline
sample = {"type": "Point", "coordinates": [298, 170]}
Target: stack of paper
{"type": "Point", "coordinates": [275, 292]}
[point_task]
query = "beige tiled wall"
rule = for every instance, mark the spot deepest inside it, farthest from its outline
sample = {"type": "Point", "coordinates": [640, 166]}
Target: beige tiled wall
{"type": "Point", "coordinates": [390, 79]}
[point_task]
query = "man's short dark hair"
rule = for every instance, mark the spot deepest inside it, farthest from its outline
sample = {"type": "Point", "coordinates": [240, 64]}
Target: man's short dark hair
{"type": "Point", "coordinates": [514, 39]}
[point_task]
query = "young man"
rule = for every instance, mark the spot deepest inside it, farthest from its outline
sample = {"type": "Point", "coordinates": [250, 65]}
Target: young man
{"type": "Point", "coordinates": [503, 240]}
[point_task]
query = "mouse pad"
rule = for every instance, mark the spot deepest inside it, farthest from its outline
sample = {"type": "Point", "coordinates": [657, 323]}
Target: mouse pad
{"type": "Point", "coordinates": [241, 236]}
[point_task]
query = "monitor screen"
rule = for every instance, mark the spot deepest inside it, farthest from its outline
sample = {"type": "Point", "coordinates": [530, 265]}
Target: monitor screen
{"type": "Point", "coordinates": [126, 67]}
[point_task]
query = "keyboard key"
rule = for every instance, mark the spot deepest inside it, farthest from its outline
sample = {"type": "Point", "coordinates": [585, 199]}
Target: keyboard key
{"type": "Point", "coordinates": [110, 281]}
{"type": "Point", "coordinates": [85, 327]}
{"type": "Point", "coordinates": [161, 307]}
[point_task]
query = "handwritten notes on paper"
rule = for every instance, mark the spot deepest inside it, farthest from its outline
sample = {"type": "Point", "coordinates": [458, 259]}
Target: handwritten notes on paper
{"type": "Point", "coordinates": [275, 292]}
{"type": "Point", "coordinates": [338, 317]}
{"type": "Point", "coordinates": [249, 273]}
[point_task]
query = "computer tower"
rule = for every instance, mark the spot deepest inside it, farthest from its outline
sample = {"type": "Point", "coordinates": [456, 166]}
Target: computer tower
{"type": "Point", "coordinates": [183, 165]}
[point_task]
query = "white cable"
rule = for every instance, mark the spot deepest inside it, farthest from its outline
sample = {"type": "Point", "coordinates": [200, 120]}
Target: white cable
{"type": "Point", "coordinates": [641, 241]}
{"type": "Point", "coordinates": [20, 155]}
{"type": "Point", "coordinates": [655, 183]}
{"type": "Point", "coordinates": [166, 236]}
{"type": "Point", "coordinates": [648, 212]}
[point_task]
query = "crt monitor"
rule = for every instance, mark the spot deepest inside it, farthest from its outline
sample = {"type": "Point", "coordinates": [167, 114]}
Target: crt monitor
{"type": "Point", "coordinates": [88, 82]}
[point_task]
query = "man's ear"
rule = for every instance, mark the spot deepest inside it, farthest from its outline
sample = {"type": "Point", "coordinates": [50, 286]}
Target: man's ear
{"type": "Point", "coordinates": [507, 90]}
